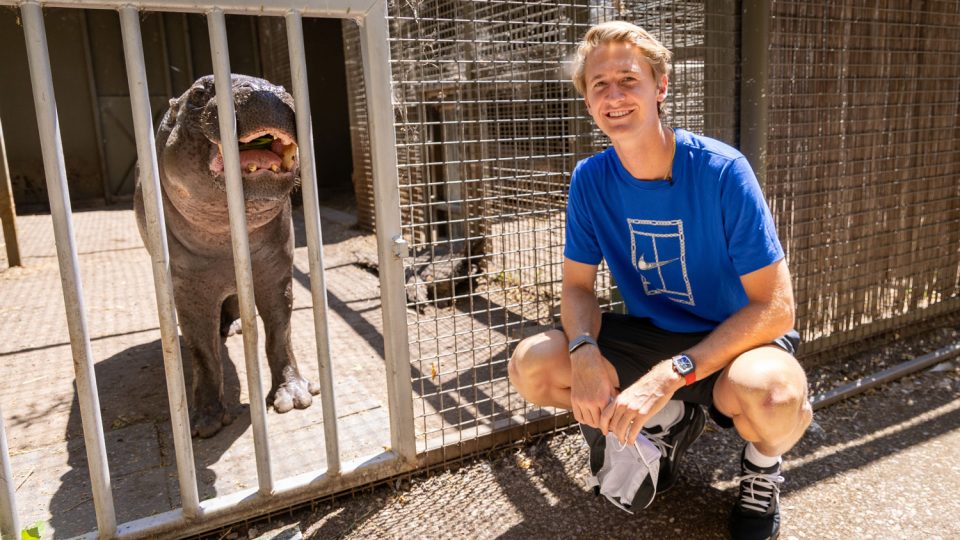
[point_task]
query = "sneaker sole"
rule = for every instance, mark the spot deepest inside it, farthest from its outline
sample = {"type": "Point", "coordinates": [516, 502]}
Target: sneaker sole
{"type": "Point", "coordinates": [682, 447]}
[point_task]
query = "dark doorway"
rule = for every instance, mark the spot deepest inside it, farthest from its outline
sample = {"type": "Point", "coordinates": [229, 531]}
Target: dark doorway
{"type": "Point", "coordinates": [323, 40]}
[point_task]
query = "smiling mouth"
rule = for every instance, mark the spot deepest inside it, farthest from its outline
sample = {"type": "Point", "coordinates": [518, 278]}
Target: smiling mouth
{"type": "Point", "coordinates": [618, 114]}
{"type": "Point", "coordinates": [263, 151]}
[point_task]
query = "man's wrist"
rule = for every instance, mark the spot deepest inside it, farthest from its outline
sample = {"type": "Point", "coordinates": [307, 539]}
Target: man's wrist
{"type": "Point", "coordinates": [581, 342]}
{"type": "Point", "coordinates": [677, 381]}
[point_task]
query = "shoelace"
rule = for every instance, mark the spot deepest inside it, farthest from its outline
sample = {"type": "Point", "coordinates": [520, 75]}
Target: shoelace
{"type": "Point", "coordinates": [658, 440]}
{"type": "Point", "coordinates": [753, 486]}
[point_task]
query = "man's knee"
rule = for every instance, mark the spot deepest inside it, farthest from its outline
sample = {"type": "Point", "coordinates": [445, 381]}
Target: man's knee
{"type": "Point", "coordinates": [534, 364]}
{"type": "Point", "coordinates": [770, 390]}
{"type": "Point", "coordinates": [769, 377]}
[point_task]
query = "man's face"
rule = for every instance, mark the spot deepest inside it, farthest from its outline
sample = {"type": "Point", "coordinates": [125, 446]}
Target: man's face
{"type": "Point", "coordinates": [621, 92]}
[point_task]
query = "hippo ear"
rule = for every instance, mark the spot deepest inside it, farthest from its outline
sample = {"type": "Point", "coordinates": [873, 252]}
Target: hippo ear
{"type": "Point", "coordinates": [174, 109]}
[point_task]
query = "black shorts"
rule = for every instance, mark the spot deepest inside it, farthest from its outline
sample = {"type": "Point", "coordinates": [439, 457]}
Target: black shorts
{"type": "Point", "coordinates": [634, 345]}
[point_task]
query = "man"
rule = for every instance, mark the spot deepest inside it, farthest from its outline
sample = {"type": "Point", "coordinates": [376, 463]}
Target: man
{"type": "Point", "coordinates": [683, 227]}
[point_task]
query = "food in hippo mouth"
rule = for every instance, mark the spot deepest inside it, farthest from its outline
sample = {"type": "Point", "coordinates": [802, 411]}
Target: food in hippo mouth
{"type": "Point", "coordinates": [263, 152]}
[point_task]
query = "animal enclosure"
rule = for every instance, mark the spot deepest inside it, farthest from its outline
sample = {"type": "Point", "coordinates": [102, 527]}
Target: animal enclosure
{"type": "Point", "coordinates": [462, 145]}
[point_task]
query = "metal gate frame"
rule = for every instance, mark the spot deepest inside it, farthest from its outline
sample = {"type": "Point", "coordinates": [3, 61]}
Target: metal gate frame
{"type": "Point", "coordinates": [195, 515]}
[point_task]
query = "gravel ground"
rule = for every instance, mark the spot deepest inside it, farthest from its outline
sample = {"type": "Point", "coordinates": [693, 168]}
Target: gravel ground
{"type": "Point", "coordinates": [873, 466]}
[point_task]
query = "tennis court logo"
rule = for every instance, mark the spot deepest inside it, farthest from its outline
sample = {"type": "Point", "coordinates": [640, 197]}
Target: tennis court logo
{"type": "Point", "coordinates": [659, 254]}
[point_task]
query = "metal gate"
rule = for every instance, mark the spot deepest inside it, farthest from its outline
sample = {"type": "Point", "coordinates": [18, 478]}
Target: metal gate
{"type": "Point", "coordinates": [195, 515]}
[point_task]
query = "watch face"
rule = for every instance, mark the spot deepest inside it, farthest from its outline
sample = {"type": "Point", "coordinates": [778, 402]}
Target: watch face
{"type": "Point", "coordinates": [683, 364]}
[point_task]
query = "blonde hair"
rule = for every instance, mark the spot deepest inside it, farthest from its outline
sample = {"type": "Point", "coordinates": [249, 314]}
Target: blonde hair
{"type": "Point", "coordinates": [652, 50]}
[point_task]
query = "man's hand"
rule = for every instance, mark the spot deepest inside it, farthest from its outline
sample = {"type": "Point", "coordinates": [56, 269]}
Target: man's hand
{"type": "Point", "coordinates": [590, 386]}
{"type": "Point", "coordinates": [626, 415]}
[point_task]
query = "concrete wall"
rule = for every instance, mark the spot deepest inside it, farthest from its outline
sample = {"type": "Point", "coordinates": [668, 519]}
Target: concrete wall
{"type": "Point", "coordinates": [65, 31]}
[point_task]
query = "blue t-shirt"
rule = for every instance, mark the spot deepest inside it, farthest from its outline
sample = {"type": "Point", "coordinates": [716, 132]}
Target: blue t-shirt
{"type": "Point", "coordinates": [676, 248]}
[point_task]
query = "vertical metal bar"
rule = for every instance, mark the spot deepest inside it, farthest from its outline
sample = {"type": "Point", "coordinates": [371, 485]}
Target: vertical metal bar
{"type": "Point", "coordinates": [160, 256]}
{"type": "Point", "coordinates": [754, 26]}
{"type": "Point", "coordinates": [311, 213]}
{"type": "Point", "coordinates": [42, 80]}
{"type": "Point", "coordinates": [216, 23]}
{"type": "Point", "coordinates": [9, 522]}
{"type": "Point", "coordinates": [8, 209]}
{"type": "Point", "coordinates": [376, 69]}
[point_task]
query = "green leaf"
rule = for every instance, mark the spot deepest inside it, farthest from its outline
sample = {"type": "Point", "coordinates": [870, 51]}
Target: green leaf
{"type": "Point", "coordinates": [33, 532]}
{"type": "Point", "coordinates": [259, 143]}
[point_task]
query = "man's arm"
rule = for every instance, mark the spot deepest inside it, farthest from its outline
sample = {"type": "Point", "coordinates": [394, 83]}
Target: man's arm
{"type": "Point", "coordinates": [590, 386]}
{"type": "Point", "coordinates": [768, 315]}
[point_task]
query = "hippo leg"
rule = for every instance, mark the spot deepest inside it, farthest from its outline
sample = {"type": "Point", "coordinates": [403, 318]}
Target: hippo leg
{"type": "Point", "coordinates": [200, 329]}
{"type": "Point", "coordinates": [288, 388]}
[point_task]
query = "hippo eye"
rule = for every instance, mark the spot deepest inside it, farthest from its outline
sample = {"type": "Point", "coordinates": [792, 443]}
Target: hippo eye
{"type": "Point", "coordinates": [198, 98]}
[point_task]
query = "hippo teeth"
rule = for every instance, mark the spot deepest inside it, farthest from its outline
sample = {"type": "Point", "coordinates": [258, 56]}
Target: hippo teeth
{"type": "Point", "coordinates": [289, 156]}
{"type": "Point", "coordinates": [286, 151]}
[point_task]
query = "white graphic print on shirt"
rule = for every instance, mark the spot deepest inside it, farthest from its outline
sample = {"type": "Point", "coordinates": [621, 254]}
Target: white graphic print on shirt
{"type": "Point", "coordinates": [659, 255]}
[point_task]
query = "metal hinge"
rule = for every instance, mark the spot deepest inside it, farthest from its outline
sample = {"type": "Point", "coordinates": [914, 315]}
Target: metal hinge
{"type": "Point", "coordinates": [400, 247]}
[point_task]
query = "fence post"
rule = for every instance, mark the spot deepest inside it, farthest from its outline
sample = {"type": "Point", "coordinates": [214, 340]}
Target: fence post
{"type": "Point", "coordinates": [159, 257]}
{"type": "Point", "coordinates": [9, 521]}
{"type": "Point", "coordinates": [8, 210]}
{"type": "Point", "coordinates": [753, 84]}
{"type": "Point", "coordinates": [51, 147]}
{"type": "Point", "coordinates": [375, 49]}
{"type": "Point", "coordinates": [243, 266]}
{"type": "Point", "coordinates": [311, 215]}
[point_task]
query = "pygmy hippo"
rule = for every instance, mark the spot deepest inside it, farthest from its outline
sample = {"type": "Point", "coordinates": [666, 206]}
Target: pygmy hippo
{"type": "Point", "coordinates": [198, 231]}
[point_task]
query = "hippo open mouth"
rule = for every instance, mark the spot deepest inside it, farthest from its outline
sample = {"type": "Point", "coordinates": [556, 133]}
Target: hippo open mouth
{"type": "Point", "coordinates": [264, 152]}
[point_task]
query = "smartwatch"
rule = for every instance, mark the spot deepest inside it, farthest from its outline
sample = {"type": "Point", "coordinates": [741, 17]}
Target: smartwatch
{"type": "Point", "coordinates": [683, 365]}
{"type": "Point", "coordinates": [581, 340]}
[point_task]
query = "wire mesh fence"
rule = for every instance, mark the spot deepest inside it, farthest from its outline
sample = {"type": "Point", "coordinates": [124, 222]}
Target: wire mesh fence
{"type": "Point", "coordinates": [489, 129]}
{"type": "Point", "coordinates": [487, 126]}
{"type": "Point", "coordinates": [863, 159]}
{"type": "Point", "coordinates": [862, 129]}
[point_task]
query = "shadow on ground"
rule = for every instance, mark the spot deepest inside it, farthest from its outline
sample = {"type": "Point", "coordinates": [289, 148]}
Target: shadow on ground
{"type": "Point", "coordinates": [139, 442]}
{"type": "Point", "coordinates": [538, 488]}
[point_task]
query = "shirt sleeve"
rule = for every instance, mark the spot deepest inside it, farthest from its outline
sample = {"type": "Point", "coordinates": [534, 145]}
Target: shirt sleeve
{"type": "Point", "coordinates": [751, 235]}
{"type": "Point", "coordinates": [581, 240]}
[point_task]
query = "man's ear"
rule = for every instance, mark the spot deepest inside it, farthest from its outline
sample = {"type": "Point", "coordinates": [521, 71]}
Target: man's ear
{"type": "Point", "coordinates": [662, 88]}
{"type": "Point", "coordinates": [587, 102]}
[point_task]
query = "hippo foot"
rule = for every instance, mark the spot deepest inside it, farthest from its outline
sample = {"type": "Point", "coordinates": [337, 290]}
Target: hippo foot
{"type": "Point", "coordinates": [231, 329]}
{"type": "Point", "coordinates": [207, 421]}
{"type": "Point", "coordinates": [297, 392]}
